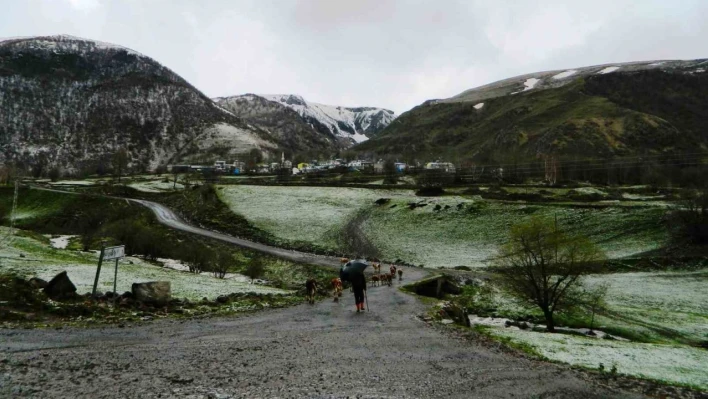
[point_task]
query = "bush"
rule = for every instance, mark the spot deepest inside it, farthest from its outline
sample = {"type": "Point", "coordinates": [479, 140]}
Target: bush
{"type": "Point", "coordinates": [255, 268]}
{"type": "Point", "coordinates": [690, 222]}
{"type": "Point", "coordinates": [222, 264]}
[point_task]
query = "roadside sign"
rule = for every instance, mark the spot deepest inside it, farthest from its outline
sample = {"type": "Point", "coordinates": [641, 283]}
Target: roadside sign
{"type": "Point", "coordinates": [111, 253]}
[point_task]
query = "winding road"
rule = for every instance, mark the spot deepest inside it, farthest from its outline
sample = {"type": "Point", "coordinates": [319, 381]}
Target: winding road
{"type": "Point", "coordinates": [326, 350]}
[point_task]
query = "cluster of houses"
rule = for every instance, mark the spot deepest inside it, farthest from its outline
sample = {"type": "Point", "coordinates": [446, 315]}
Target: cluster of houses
{"type": "Point", "coordinates": [239, 167]}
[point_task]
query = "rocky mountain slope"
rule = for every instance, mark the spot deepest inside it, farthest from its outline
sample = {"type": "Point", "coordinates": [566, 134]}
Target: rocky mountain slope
{"type": "Point", "coordinates": [71, 103]}
{"type": "Point", "coordinates": [653, 107]}
{"type": "Point", "coordinates": [358, 124]}
{"type": "Point", "coordinates": [283, 123]}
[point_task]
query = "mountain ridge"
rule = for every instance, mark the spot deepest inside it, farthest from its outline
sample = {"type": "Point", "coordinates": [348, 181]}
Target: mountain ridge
{"type": "Point", "coordinates": [325, 126]}
{"type": "Point", "coordinates": [70, 102]}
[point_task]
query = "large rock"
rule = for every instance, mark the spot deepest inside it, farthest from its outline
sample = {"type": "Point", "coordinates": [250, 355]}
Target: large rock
{"type": "Point", "coordinates": [60, 287]}
{"type": "Point", "coordinates": [152, 292]}
{"type": "Point", "coordinates": [436, 286]}
{"type": "Point", "coordinates": [38, 283]}
{"type": "Point", "coordinates": [457, 313]}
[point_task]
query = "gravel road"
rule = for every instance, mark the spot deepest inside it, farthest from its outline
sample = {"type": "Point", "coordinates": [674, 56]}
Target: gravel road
{"type": "Point", "coordinates": [326, 350]}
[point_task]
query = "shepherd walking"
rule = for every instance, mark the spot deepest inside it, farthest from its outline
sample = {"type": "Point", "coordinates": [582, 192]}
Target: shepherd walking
{"type": "Point", "coordinates": [353, 272]}
{"type": "Point", "coordinates": [359, 286]}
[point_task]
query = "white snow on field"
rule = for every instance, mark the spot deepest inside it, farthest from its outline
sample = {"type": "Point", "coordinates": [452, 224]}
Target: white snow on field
{"type": "Point", "coordinates": [674, 364]}
{"type": "Point", "coordinates": [565, 74]}
{"type": "Point", "coordinates": [479, 106]}
{"type": "Point", "coordinates": [43, 261]}
{"type": "Point", "coordinates": [60, 242]}
{"type": "Point", "coordinates": [73, 183]}
{"type": "Point", "coordinates": [700, 70]}
{"type": "Point", "coordinates": [609, 70]}
{"type": "Point", "coordinates": [657, 63]}
{"type": "Point", "coordinates": [175, 264]}
{"type": "Point", "coordinates": [156, 186]}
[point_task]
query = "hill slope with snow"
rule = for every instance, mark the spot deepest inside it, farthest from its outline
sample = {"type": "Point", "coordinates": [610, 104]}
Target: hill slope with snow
{"type": "Point", "coordinates": [71, 103]}
{"type": "Point", "coordinates": [604, 111]}
{"type": "Point", "coordinates": [283, 123]}
{"type": "Point", "coordinates": [558, 78]}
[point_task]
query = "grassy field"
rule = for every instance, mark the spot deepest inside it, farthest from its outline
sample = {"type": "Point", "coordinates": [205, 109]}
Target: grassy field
{"type": "Point", "coordinates": [673, 364]}
{"type": "Point", "coordinates": [43, 261]}
{"type": "Point", "coordinates": [466, 230]}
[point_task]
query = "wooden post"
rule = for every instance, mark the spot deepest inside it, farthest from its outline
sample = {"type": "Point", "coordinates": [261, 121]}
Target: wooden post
{"type": "Point", "coordinates": [98, 271]}
{"type": "Point", "coordinates": [115, 282]}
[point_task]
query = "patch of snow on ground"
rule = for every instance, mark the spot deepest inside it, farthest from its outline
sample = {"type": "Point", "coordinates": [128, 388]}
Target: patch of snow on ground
{"type": "Point", "coordinates": [176, 264]}
{"type": "Point", "coordinates": [609, 70]}
{"type": "Point", "coordinates": [530, 83]}
{"type": "Point", "coordinates": [479, 106]}
{"type": "Point", "coordinates": [675, 364]}
{"type": "Point", "coordinates": [73, 183]}
{"type": "Point", "coordinates": [657, 63]}
{"type": "Point", "coordinates": [565, 74]}
{"type": "Point", "coordinates": [60, 242]}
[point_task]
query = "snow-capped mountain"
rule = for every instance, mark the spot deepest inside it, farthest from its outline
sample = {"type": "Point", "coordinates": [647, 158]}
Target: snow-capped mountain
{"type": "Point", "coordinates": [358, 124]}
{"type": "Point", "coordinates": [71, 103]}
{"type": "Point", "coordinates": [283, 123]}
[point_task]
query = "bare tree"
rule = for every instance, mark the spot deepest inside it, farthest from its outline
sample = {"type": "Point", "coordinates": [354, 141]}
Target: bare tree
{"type": "Point", "coordinates": [120, 162]}
{"type": "Point", "coordinates": [595, 301]}
{"type": "Point", "coordinates": [543, 266]}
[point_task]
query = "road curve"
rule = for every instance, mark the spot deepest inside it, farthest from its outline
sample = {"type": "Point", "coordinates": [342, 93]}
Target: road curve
{"type": "Point", "coordinates": [167, 217]}
{"type": "Point", "coordinates": [170, 219]}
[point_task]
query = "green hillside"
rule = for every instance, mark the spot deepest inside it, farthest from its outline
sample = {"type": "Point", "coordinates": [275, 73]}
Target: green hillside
{"type": "Point", "coordinates": [599, 116]}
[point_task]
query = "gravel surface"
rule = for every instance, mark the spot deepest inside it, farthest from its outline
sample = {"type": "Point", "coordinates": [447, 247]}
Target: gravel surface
{"type": "Point", "coordinates": [323, 350]}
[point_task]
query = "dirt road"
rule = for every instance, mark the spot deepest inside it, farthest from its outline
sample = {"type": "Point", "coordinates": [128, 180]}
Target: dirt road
{"type": "Point", "coordinates": [170, 219]}
{"type": "Point", "coordinates": [324, 350]}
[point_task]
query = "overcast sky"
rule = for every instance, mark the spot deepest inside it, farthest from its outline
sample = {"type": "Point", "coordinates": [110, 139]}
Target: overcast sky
{"type": "Point", "coordinates": [386, 53]}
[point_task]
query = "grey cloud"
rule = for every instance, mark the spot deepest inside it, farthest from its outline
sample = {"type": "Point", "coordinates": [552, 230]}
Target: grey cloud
{"type": "Point", "coordinates": [389, 53]}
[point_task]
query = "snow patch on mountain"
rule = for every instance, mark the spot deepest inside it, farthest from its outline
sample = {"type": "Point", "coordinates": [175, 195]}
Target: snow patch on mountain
{"type": "Point", "coordinates": [565, 74]}
{"type": "Point", "coordinates": [609, 70]}
{"type": "Point", "coordinates": [479, 106]}
{"type": "Point", "coordinates": [356, 123]}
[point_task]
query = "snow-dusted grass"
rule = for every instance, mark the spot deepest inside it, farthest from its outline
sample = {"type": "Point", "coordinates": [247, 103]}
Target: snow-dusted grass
{"type": "Point", "coordinates": [155, 186]}
{"type": "Point", "coordinates": [673, 364]}
{"type": "Point", "coordinates": [675, 301]}
{"type": "Point", "coordinates": [449, 237]}
{"type": "Point", "coordinates": [43, 261]}
{"type": "Point", "coordinates": [472, 237]}
{"type": "Point", "coordinates": [301, 213]}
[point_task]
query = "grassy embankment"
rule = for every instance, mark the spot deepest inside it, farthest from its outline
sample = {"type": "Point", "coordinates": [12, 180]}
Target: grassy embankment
{"type": "Point", "coordinates": [40, 213]}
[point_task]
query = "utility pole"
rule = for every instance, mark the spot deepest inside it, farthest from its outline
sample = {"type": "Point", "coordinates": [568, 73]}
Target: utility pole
{"type": "Point", "coordinates": [14, 208]}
